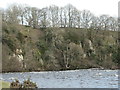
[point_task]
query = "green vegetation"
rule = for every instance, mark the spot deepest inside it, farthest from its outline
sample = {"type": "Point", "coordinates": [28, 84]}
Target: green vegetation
{"type": "Point", "coordinates": [16, 84]}
{"type": "Point", "coordinates": [5, 84]}
{"type": "Point", "coordinates": [58, 49]}
{"type": "Point", "coordinates": [54, 38]}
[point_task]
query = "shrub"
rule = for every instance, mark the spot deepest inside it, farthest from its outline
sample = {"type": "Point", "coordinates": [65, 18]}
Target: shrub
{"type": "Point", "coordinates": [20, 37]}
{"type": "Point", "coordinates": [9, 42]}
{"type": "Point", "coordinates": [25, 84]}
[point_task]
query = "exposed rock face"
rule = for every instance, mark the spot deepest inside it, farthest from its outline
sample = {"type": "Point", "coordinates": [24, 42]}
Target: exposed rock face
{"type": "Point", "coordinates": [41, 61]}
{"type": "Point", "coordinates": [20, 58]}
{"type": "Point", "coordinates": [84, 55]}
{"type": "Point", "coordinates": [18, 51]}
{"type": "Point", "coordinates": [80, 45]}
{"type": "Point", "coordinates": [90, 44]}
{"type": "Point", "coordinates": [18, 55]}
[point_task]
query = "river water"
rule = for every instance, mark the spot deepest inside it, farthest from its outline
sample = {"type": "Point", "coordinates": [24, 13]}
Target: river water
{"type": "Point", "coordinates": [84, 78]}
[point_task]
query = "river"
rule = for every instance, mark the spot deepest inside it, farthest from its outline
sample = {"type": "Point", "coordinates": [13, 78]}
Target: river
{"type": "Point", "coordinates": [84, 78]}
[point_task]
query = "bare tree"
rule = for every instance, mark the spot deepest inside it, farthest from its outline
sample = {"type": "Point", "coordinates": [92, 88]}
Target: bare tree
{"type": "Point", "coordinates": [22, 13]}
{"type": "Point", "coordinates": [35, 15]}
{"type": "Point", "coordinates": [95, 23]}
{"type": "Point", "coordinates": [69, 11]}
{"type": "Point", "coordinates": [75, 18]}
{"type": "Point", "coordinates": [103, 22]}
{"type": "Point", "coordinates": [78, 23]}
{"type": "Point", "coordinates": [43, 17]}
{"type": "Point", "coordinates": [13, 14]}
{"type": "Point", "coordinates": [28, 16]}
{"type": "Point", "coordinates": [53, 13]}
{"type": "Point", "coordinates": [65, 17]}
{"type": "Point", "coordinates": [86, 17]}
{"type": "Point", "coordinates": [61, 13]}
{"type": "Point", "coordinates": [54, 16]}
{"type": "Point", "coordinates": [4, 16]}
{"type": "Point", "coordinates": [31, 16]}
{"type": "Point", "coordinates": [113, 24]}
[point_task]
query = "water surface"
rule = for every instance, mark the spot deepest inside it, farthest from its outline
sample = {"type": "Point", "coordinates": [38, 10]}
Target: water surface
{"type": "Point", "coordinates": [85, 78]}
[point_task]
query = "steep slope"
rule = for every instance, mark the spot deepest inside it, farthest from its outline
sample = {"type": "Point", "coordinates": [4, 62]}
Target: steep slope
{"type": "Point", "coordinates": [27, 49]}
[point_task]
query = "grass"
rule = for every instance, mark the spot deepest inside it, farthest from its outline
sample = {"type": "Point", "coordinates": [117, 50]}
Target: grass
{"type": "Point", "coordinates": [4, 84]}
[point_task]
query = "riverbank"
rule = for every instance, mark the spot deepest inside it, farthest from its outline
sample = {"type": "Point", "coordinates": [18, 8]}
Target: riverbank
{"type": "Point", "coordinates": [4, 84]}
{"type": "Point", "coordinates": [58, 70]}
